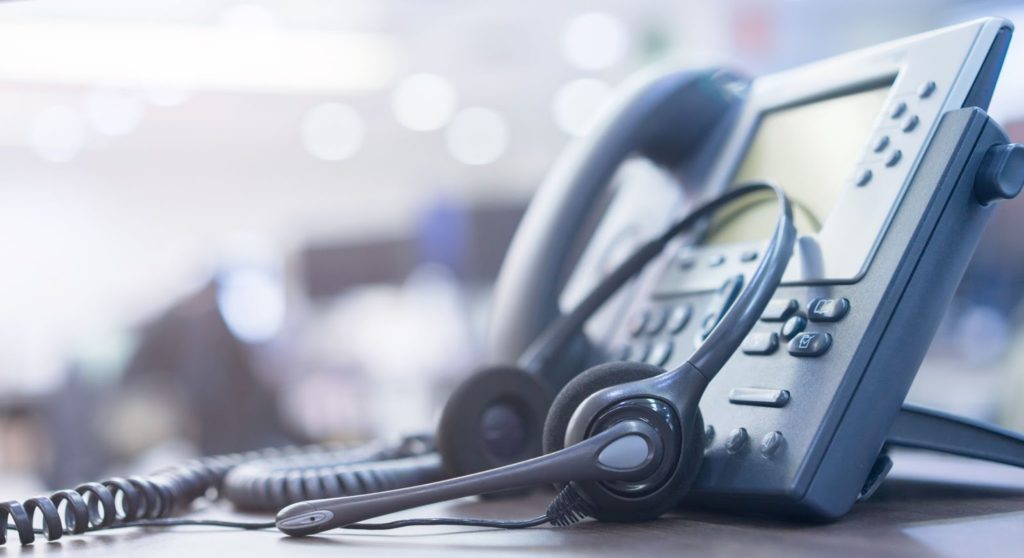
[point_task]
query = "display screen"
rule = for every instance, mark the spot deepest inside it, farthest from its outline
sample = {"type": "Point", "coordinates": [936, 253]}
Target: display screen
{"type": "Point", "coordinates": [809, 150]}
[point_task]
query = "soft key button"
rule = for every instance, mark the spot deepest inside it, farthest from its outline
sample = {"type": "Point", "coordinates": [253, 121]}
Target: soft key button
{"type": "Point", "coordinates": [926, 89]}
{"type": "Point", "coordinates": [810, 344]}
{"type": "Point", "coordinates": [656, 321]}
{"type": "Point", "coordinates": [678, 318]}
{"type": "Point", "coordinates": [660, 353]}
{"type": "Point", "coordinates": [898, 109]}
{"type": "Point", "coordinates": [910, 123]}
{"type": "Point", "coordinates": [761, 343]}
{"type": "Point", "coordinates": [828, 309]}
{"type": "Point", "coordinates": [779, 309]}
{"type": "Point", "coordinates": [637, 322]}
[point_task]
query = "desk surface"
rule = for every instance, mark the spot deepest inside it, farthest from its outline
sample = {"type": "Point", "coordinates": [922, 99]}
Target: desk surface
{"type": "Point", "coordinates": [930, 506]}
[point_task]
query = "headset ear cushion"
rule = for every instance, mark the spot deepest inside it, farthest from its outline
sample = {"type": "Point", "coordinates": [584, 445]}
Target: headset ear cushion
{"type": "Point", "coordinates": [591, 381]}
{"type": "Point", "coordinates": [494, 418]}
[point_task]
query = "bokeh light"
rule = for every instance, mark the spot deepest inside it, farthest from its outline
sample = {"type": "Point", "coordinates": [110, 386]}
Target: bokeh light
{"type": "Point", "coordinates": [477, 136]}
{"type": "Point", "coordinates": [577, 103]}
{"type": "Point", "coordinates": [332, 131]}
{"type": "Point", "coordinates": [424, 102]}
{"type": "Point", "coordinates": [57, 134]}
{"type": "Point", "coordinates": [114, 111]}
{"type": "Point", "coordinates": [595, 41]}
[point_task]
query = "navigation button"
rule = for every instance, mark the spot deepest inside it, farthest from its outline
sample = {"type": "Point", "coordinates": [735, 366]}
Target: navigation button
{"type": "Point", "coordinates": [828, 309]}
{"type": "Point", "coordinates": [779, 309]}
{"type": "Point", "coordinates": [794, 325]}
{"type": "Point", "coordinates": [810, 344]}
{"type": "Point", "coordinates": [881, 144]}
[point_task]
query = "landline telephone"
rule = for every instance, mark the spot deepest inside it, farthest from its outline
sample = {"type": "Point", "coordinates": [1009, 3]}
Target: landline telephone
{"type": "Point", "coordinates": [881, 168]}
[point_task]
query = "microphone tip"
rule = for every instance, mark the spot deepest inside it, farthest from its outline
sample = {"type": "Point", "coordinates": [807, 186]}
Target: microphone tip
{"type": "Point", "coordinates": [303, 519]}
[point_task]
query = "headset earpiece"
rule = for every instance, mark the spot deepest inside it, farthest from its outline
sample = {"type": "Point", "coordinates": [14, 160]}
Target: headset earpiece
{"type": "Point", "coordinates": [493, 418]}
{"type": "Point", "coordinates": [683, 444]}
{"type": "Point", "coordinates": [579, 388]}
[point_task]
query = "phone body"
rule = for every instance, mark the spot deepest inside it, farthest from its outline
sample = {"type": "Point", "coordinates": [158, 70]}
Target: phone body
{"type": "Point", "coordinates": [879, 149]}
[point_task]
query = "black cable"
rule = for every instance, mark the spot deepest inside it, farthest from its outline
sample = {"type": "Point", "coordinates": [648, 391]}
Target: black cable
{"type": "Point", "coordinates": [254, 526]}
{"type": "Point", "coordinates": [566, 508]}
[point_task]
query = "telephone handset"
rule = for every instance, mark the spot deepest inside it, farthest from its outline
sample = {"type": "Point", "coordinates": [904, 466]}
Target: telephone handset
{"type": "Point", "coordinates": [799, 353]}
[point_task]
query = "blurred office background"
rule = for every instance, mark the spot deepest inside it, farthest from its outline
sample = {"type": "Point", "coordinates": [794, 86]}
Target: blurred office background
{"type": "Point", "coordinates": [226, 225]}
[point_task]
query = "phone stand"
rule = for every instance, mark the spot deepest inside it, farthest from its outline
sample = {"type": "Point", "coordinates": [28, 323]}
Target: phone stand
{"type": "Point", "coordinates": [920, 427]}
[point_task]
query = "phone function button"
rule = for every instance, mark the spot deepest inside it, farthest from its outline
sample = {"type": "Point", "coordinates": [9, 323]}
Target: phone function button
{"type": "Point", "coordinates": [794, 325]}
{"type": "Point", "coordinates": [898, 109]}
{"type": "Point", "coordinates": [678, 318]}
{"type": "Point", "coordinates": [736, 440]}
{"type": "Point", "coordinates": [748, 255]}
{"type": "Point", "coordinates": [828, 309]}
{"type": "Point", "coordinates": [759, 397]}
{"type": "Point", "coordinates": [716, 260]}
{"type": "Point", "coordinates": [686, 261]}
{"type": "Point", "coordinates": [881, 143]}
{"type": "Point", "coordinates": [709, 435]}
{"type": "Point", "coordinates": [656, 321]}
{"type": "Point", "coordinates": [660, 353]}
{"type": "Point", "coordinates": [911, 123]}
{"type": "Point", "coordinates": [721, 303]}
{"type": "Point", "coordinates": [637, 322]}
{"type": "Point", "coordinates": [640, 351]}
{"type": "Point", "coordinates": [771, 443]}
{"type": "Point", "coordinates": [926, 89]}
{"type": "Point", "coordinates": [893, 158]}
{"type": "Point", "coordinates": [761, 343]}
{"type": "Point", "coordinates": [865, 176]}
{"type": "Point", "coordinates": [779, 309]}
{"type": "Point", "coordinates": [810, 344]}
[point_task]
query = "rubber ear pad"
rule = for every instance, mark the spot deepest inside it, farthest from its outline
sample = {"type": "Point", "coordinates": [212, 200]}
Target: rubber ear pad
{"type": "Point", "coordinates": [591, 381]}
{"type": "Point", "coordinates": [494, 418]}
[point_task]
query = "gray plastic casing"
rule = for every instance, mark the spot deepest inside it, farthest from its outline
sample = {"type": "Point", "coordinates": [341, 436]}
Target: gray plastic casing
{"type": "Point", "coordinates": [895, 248]}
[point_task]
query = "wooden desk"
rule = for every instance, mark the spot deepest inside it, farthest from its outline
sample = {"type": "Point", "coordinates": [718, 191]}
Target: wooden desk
{"type": "Point", "coordinates": [930, 506]}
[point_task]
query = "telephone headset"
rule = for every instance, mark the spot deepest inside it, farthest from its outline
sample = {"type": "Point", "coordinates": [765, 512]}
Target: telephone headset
{"type": "Point", "coordinates": [876, 255]}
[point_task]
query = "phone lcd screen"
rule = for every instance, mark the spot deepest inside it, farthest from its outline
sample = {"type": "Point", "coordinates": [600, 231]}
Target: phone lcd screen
{"type": "Point", "coordinates": [809, 150]}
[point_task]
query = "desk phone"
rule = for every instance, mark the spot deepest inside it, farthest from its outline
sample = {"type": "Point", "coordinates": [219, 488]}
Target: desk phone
{"type": "Point", "coordinates": [883, 152]}
{"type": "Point", "coordinates": [729, 283]}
